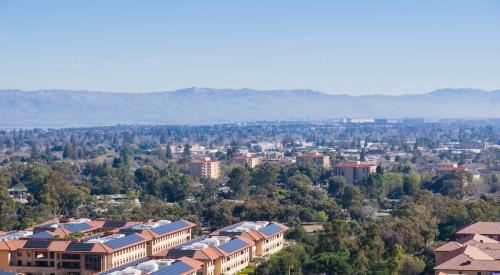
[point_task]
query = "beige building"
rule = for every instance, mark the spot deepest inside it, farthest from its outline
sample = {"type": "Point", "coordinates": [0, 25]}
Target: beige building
{"type": "Point", "coordinates": [249, 161]}
{"type": "Point", "coordinates": [106, 247]}
{"type": "Point", "coordinates": [219, 254]}
{"type": "Point", "coordinates": [317, 159]}
{"type": "Point", "coordinates": [268, 236]}
{"type": "Point", "coordinates": [354, 172]}
{"type": "Point", "coordinates": [472, 253]}
{"type": "Point", "coordinates": [205, 168]}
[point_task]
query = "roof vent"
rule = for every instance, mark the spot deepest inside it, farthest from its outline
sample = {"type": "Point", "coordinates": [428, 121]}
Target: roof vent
{"type": "Point", "coordinates": [465, 263]}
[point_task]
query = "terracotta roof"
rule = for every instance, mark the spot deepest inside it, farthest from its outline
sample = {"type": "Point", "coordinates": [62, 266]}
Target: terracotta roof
{"type": "Point", "coordinates": [355, 164]}
{"type": "Point", "coordinates": [476, 238]}
{"type": "Point", "coordinates": [11, 245]}
{"type": "Point", "coordinates": [191, 262]}
{"type": "Point", "coordinates": [449, 246]}
{"type": "Point", "coordinates": [483, 228]}
{"type": "Point", "coordinates": [469, 258]}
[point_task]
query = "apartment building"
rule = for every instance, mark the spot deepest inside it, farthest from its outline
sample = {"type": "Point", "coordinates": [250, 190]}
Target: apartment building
{"type": "Point", "coordinates": [181, 266]}
{"type": "Point", "coordinates": [267, 236]}
{"type": "Point", "coordinates": [206, 168]}
{"type": "Point", "coordinates": [316, 159]}
{"type": "Point", "coordinates": [249, 161]}
{"type": "Point", "coordinates": [94, 252]}
{"type": "Point", "coordinates": [354, 172]}
{"type": "Point", "coordinates": [219, 254]}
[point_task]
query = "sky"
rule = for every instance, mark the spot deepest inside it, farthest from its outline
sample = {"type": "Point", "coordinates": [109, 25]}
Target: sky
{"type": "Point", "coordinates": [339, 47]}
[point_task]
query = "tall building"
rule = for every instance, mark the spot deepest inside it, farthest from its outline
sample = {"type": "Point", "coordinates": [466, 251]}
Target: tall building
{"type": "Point", "coordinates": [354, 172]}
{"type": "Point", "coordinates": [206, 168]}
{"type": "Point", "coordinates": [250, 161]}
{"type": "Point", "coordinates": [317, 159]}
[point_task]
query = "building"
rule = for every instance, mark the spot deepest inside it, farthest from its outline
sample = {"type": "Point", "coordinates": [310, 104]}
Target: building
{"type": "Point", "coordinates": [488, 229]}
{"type": "Point", "coordinates": [206, 168]}
{"type": "Point", "coordinates": [268, 236]}
{"type": "Point", "coordinates": [181, 266]}
{"type": "Point", "coordinates": [317, 159]}
{"type": "Point", "coordinates": [249, 161]}
{"type": "Point", "coordinates": [354, 172]}
{"type": "Point", "coordinates": [444, 169]}
{"type": "Point", "coordinates": [219, 254]}
{"type": "Point", "coordinates": [474, 254]}
{"type": "Point", "coordinates": [84, 250]}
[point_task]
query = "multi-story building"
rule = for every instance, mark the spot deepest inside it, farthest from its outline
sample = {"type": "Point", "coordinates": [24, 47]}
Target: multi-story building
{"type": "Point", "coordinates": [354, 172]}
{"type": "Point", "coordinates": [268, 236]}
{"type": "Point", "coordinates": [472, 253]}
{"type": "Point", "coordinates": [219, 254]}
{"type": "Point", "coordinates": [206, 168]}
{"type": "Point", "coordinates": [90, 252]}
{"type": "Point", "coordinates": [250, 161]}
{"type": "Point", "coordinates": [316, 159]}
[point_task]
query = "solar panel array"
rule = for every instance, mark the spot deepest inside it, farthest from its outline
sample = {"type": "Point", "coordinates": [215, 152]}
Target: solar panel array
{"type": "Point", "coordinates": [80, 247]}
{"type": "Point", "coordinates": [37, 244]}
{"type": "Point", "coordinates": [233, 245]}
{"type": "Point", "coordinates": [176, 268]}
{"type": "Point", "coordinates": [271, 229]}
{"type": "Point", "coordinates": [177, 253]}
{"type": "Point", "coordinates": [124, 241]}
{"type": "Point", "coordinates": [173, 226]}
{"type": "Point", "coordinates": [78, 227]}
{"type": "Point", "coordinates": [114, 224]}
{"type": "Point", "coordinates": [41, 235]}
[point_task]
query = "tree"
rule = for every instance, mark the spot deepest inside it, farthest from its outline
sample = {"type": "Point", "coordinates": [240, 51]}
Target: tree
{"type": "Point", "coordinates": [328, 263]}
{"type": "Point", "coordinates": [168, 152]}
{"type": "Point", "coordinates": [336, 185]}
{"type": "Point", "coordinates": [239, 182]}
{"type": "Point", "coordinates": [187, 150]}
{"type": "Point", "coordinates": [265, 175]}
{"type": "Point", "coordinates": [147, 179]}
{"type": "Point", "coordinates": [411, 183]}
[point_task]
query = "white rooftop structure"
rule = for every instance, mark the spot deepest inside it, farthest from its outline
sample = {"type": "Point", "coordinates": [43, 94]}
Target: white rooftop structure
{"type": "Point", "coordinates": [150, 225]}
{"type": "Point", "coordinates": [144, 267]}
{"type": "Point", "coordinates": [208, 242]}
{"type": "Point", "coordinates": [16, 235]}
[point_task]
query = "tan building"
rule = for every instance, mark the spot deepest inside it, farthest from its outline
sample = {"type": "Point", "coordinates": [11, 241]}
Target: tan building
{"type": "Point", "coordinates": [354, 172]}
{"type": "Point", "coordinates": [205, 168]}
{"type": "Point", "coordinates": [249, 161]}
{"type": "Point", "coordinates": [95, 252]}
{"type": "Point", "coordinates": [316, 159]}
{"type": "Point", "coordinates": [268, 236]}
{"type": "Point", "coordinates": [219, 254]}
{"type": "Point", "coordinates": [471, 253]}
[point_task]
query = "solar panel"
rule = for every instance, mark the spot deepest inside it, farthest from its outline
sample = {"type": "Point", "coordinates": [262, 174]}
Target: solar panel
{"type": "Point", "coordinates": [37, 244]}
{"type": "Point", "coordinates": [177, 253]}
{"type": "Point", "coordinates": [114, 224]}
{"type": "Point", "coordinates": [4, 272]}
{"type": "Point", "coordinates": [124, 241]}
{"type": "Point", "coordinates": [271, 229]}
{"type": "Point", "coordinates": [41, 235]}
{"type": "Point", "coordinates": [173, 226]}
{"type": "Point", "coordinates": [78, 227]}
{"type": "Point", "coordinates": [176, 268]}
{"type": "Point", "coordinates": [233, 245]}
{"type": "Point", "coordinates": [80, 247]}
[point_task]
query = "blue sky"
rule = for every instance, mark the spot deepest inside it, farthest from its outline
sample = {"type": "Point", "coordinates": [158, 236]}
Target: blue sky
{"type": "Point", "coordinates": [353, 47]}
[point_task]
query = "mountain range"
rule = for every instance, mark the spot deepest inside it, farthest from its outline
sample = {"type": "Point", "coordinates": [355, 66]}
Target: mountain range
{"type": "Point", "coordinates": [67, 108]}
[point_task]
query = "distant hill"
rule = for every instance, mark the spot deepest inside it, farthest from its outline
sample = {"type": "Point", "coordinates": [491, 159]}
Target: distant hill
{"type": "Point", "coordinates": [62, 108]}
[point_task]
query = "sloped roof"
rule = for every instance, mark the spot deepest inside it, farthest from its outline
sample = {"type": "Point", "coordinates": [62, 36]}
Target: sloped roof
{"type": "Point", "coordinates": [468, 258]}
{"type": "Point", "coordinates": [483, 228]}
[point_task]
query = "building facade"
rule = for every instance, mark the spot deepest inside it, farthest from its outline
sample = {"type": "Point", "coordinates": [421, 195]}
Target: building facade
{"type": "Point", "coordinates": [354, 172]}
{"type": "Point", "coordinates": [205, 168]}
{"type": "Point", "coordinates": [316, 159]}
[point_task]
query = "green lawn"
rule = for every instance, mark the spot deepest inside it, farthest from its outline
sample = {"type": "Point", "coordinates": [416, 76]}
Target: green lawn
{"type": "Point", "coordinates": [247, 271]}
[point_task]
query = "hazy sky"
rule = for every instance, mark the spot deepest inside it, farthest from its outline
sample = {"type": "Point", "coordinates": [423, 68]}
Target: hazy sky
{"type": "Point", "coordinates": [354, 47]}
